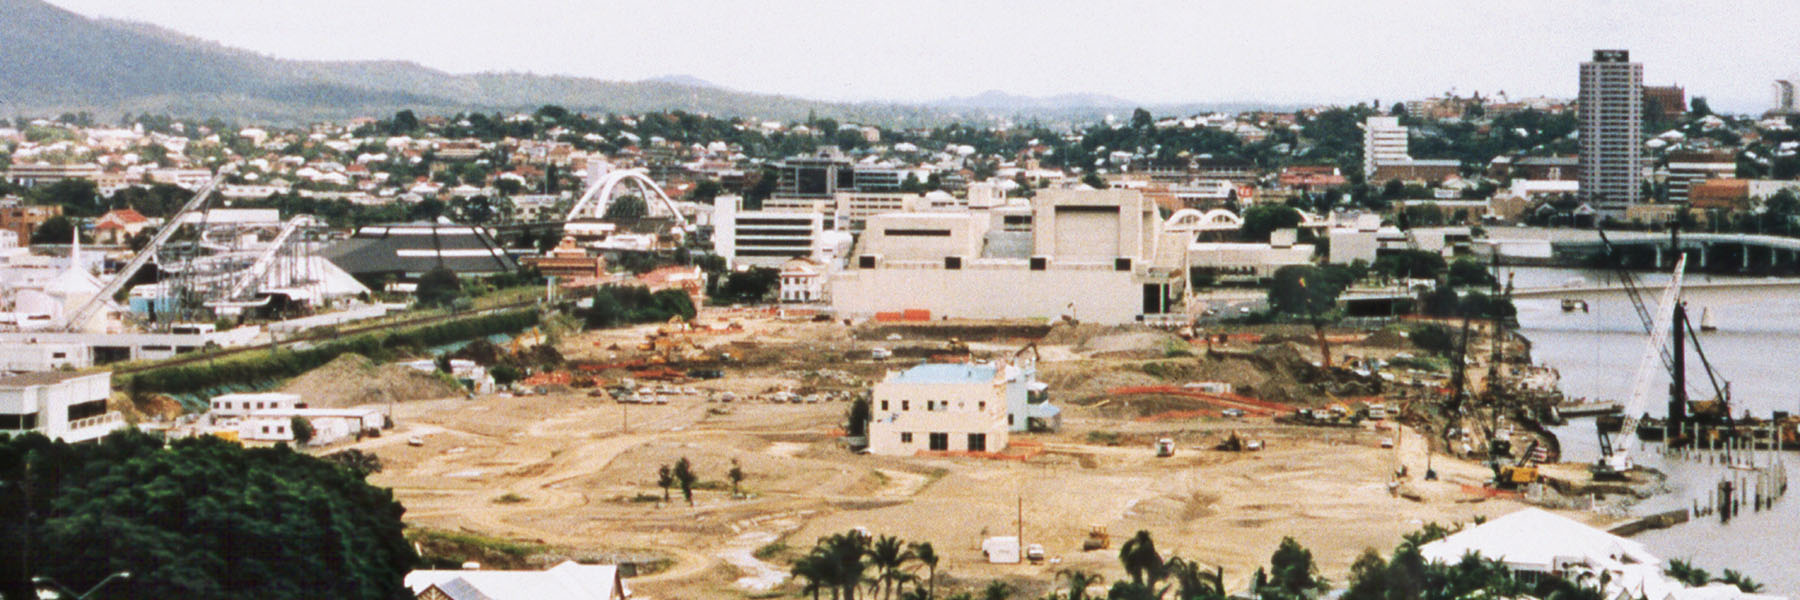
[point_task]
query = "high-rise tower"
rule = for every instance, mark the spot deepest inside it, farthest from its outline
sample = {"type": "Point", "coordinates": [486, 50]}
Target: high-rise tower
{"type": "Point", "coordinates": [1612, 131]}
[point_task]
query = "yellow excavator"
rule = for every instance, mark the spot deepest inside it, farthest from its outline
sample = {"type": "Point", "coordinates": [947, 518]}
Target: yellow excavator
{"type": "Point", "coordinates": [1518, 474]}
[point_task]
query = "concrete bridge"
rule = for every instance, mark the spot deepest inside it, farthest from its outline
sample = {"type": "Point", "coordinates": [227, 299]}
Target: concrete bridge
{"type": "Point", "coordinates": [1704, 292]}
{"type": "Point", "coordinates": [1706, 251]}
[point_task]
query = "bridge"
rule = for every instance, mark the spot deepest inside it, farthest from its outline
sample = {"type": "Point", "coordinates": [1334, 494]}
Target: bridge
{"type": "Point", "coordinates": [1704, 292]}
{"type": "Point", "coordinates": [1705, 251]}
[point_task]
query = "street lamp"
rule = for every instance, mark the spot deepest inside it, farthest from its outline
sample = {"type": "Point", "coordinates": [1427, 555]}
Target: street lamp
{"type": "Point", "coordinates": [64, 591]}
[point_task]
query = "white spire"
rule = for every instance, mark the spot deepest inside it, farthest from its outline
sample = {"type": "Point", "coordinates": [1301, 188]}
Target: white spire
{"type": "Point", "coordinates": [75, 247]}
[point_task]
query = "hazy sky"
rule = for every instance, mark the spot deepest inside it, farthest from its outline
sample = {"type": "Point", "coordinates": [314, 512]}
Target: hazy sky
{"type": "Point", "coordinates": [1275, 51]}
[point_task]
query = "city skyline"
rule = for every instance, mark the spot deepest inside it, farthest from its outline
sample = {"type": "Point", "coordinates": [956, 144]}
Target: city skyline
{"type": "Point", "coordinates": [918, 53]}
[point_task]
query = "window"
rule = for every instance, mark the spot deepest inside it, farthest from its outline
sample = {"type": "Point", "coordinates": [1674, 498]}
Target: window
{"type": "Point", "coordinates": [25, 422]}
{"type": "Point", "coordinates": [884, 405]}
{"type": "Point", "coordinates": [982, 406]}
{"type": "Point", "coordinates": [1009, 419]}
{"type": "Point", "coordinates": [952, 263]}
{"type": "Point", "coordinates": [905, 405]}
{"type": "Point", "coordinates": [265, 429]}
{"type": "Point", "coordinates": [1040, 263]}
{"type": "Point", "coordinates": [1121, 264]}
{"type": "Point", "coordinates": [906, 437]}
{"type": "Point", "coordinates": [939, 441]}
{"type": "Point", "coordinates": [978, 442]}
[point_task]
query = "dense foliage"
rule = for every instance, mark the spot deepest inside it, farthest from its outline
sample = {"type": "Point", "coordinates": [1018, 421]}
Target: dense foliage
{"type": "Point", "coordinates": [261, 367]}
{"type": "Point", "coordinates": [615, 305]}
{"type": "Point", "coordinates": [199, 519]}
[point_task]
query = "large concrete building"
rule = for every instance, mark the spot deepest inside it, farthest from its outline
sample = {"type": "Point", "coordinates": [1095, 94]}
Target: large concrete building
{"type": "Point", "coordinates": [769, 238]}
{"type": "Point", "coordinates": [1093, 255]}
{"type": "Point", "coordinates": [940, 407]}
{"type": "Point", "coordinates": [1612, 131]}
{"type": "Point", "coordinates": [1386, 158]}
{"type": "Point", "coordinates": [1688, 168]}
{"type": "Point", "coordinates": [62, 405]}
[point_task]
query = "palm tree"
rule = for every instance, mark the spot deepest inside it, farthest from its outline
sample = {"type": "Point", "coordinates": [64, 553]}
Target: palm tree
{"type": "Point", "coordinates": [815, 571]}
{"type": "Point", "coordinates": [1138, 556]}
{"type": "Point", "coordinates": [1191, 580]}
{"type": "Point", "coordinates": [845, 553]}
{"type": "Point", "coordinates": [1744, 583]}
{"type": "Point", "coordinates": [737, 476]}
{"type": "Point", "coordinates": [996, 590]}
{"type": "Point", "coordinates": [1079, 581]}
{"type": "Point", "coordinates": [684, 473]}
{"type": "Point", "coordinates": [665, 478]}
{"type": "Point", "coordinates": [887, 555]}
{"type": "Point", "coordinates": [1687, 573]}
{"type": "Point", "coordinates": [927, 556]}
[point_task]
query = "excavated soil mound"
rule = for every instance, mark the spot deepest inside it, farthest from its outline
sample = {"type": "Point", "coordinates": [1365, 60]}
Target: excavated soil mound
{"type": "Point", "coordinates": [353, 379]}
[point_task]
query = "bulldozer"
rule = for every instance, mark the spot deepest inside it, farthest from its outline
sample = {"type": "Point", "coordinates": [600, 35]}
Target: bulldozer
{"type": "Point", "coordinates": [1097, 539]}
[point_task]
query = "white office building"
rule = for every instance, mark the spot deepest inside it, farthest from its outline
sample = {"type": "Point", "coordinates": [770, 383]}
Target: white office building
{"type": "Point", "coordinates": [62, 405]}
{"type": "Point", "coordinates": [1384, 144]}
{"type": "Point", "coordinates": [1612, 131]}
{"type": "Point", "coordinates": [940, 408]}
{"type": "Point", "coordinates": [1094, 255]}
{"type": "Point", "coordinates": [766, 238]}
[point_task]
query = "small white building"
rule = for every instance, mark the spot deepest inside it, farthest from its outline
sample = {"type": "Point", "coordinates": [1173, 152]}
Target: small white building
{"type": "Point", "coordinates": [328, 424]}
{"type": "Point", "coordinates": [566, 581]}
{"type": "Point", "coordinates": [228, 409]}
{"type": "Point", "coordinates": [802, 281]}
{"type": "Point", "coordinates": [940, 407]}
{"type": "Point", "coordinates": [65, 406]}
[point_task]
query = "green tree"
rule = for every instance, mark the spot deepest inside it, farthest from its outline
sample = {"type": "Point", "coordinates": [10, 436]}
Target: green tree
{"type": "Point", "coordinates": [856, 421]}
{"type": "Point", "coordinates": [1263, 219]}
{"type": "Point", "coordinates": [887, 555]}
{"type": "Point", "coordinates": [1078, 582]}
{"type": "Point", "coordinates": [1306, 290]}
{"type": "Point", "coordinates": [438, 287]}
{"type": "Point", "coordinates": [504, 375]}
{"type": "Point", "coordinates": [1698, 107]}
{"type": "Point", "coordinates": [303, 430]}
{"type": "Point", "coordinates": [737, 476]}
{"type": "Point", "coordinates": [1139, 557]}
{"type": "Point", "coordinates": [1093, 180]}
{"type": "Point", "coordinates": [928, 557]}
{"type": "Point", "coordinates": [684, 475]}
{"type": "Point", "coordinates": [626, 208]}
{"type": "Point", "coordinates": [404, 122]}
{"type": "Point", "coordinates": [1292, 571]}
{"type": "Point", "coordinates": [665, 477]}
{"type": "Point", "coordinates": [1465, 272]}
{"type": "Point", "coordinates": [705, 191]}
{"type": "Point", "coordinates": [191, 518]}
{"type": "Point", "coordinates": [55, 230]}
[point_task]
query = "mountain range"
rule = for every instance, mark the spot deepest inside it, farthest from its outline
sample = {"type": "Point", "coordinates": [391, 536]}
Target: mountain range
{"type": "Point", "coordinates": [57, 61]}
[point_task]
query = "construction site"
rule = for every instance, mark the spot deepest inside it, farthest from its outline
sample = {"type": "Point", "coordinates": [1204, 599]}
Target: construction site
{"type": "Point", "coordinates": [1219, 443]}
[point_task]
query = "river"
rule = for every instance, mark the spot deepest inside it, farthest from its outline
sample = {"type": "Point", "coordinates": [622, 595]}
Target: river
{"type": "Point", "coordinates": [1756, 349]}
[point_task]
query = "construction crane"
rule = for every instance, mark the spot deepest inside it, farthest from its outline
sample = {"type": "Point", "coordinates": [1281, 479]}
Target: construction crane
{"type": "Point", "coordinates": [104, 296]}
{"type": "Point", "coordinates": [1615, 451]}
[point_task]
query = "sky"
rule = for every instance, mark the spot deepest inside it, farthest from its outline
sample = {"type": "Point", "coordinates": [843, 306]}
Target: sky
{"type": "Point", "coordinates": [1273, 51]}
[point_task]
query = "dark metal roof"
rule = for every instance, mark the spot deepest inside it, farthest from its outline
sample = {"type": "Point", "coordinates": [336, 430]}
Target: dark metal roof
{"type": "Point", "coordinates": [420, 247]}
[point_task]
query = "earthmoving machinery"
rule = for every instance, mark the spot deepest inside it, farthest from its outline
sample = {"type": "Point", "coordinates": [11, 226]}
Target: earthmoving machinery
{"type": "Point", "coordinates": [1615, 449]}
{"type": "Point", "coordinates": [1520, 473]}
{"type": "Point", "coordinates": [1165, 448]}
{"type": "Point", "coordinates": [1097, 538]}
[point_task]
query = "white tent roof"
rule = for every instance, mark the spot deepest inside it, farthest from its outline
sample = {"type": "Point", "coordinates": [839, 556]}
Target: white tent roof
{"type": "Point", "coordinates": [1537, 540]}
{"type": "Point", "coordinates": [566, 581]}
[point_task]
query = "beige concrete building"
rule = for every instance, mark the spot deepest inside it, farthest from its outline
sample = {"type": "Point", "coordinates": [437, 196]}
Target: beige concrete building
{"type": "Point", "coordinates": [940, 407]}
{"type": "Point", "coordinates": [1094, 255]}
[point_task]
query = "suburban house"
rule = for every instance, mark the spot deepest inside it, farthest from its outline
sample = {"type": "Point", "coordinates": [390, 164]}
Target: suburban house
{"type": "Point", "coordinates": [1535, 543]}
{"type": "Point", "coordinates": [65, 406]}
{"type": "Point", "coordinates": [566, 581]}
{"type": "Point", "coordinates": [940, 407]}
{"type": "Point", "coordinates": [119, 226]}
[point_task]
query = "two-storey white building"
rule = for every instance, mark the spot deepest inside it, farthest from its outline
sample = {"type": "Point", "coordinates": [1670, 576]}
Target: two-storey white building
{"type": "Point", "coordinates": [65, 406]}
{"type": "Point", "coordinates": [940, 407]}
{"type": "Point", "coordinates": [228, 409]}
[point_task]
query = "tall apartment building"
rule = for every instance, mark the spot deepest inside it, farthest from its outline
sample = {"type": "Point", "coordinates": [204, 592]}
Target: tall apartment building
{"type": "Point", "coordinates": [1612, 131]}
{"type": "Point", "coordinates": [1786, 102]}
{"type": "Point", "coordinates": [1384, 143]}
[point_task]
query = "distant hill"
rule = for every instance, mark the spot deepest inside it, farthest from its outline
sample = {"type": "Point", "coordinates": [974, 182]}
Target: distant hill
{"type": "Point", "coordinates": [53, 61]}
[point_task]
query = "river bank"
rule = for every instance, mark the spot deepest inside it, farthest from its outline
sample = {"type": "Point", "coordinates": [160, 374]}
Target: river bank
{"type": "Point", "coordinates": [1597, 352]}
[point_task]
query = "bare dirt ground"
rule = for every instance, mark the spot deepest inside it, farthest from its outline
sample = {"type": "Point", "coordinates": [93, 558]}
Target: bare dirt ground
{"type": "Point", "coordinates": [573, 471]}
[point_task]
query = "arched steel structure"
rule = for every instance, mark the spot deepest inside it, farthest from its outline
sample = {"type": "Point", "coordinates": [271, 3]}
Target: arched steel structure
{"type": "Point", "coordinates": [1217, 219]}
{"type": "Point", "coordinates": [599, 196]}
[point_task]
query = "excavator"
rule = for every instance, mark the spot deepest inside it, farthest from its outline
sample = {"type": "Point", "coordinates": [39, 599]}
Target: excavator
{"type": "Point", "coordinates": [1518, 474]}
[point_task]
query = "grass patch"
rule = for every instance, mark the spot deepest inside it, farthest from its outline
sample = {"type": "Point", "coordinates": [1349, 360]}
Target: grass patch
{"type": "Point", "coordinates": [643, 498]}
{"type": "Point", "coordinates": [881, 478]}
{"type": "Point", "coordinates": [1176, 349]}
{"type": "Point", "coordinates": [1109, 438]}
{"type": "Point", "coordinates": [770, 550]}
{"type": "Point", "coordinates": [450, 549]}
{"type": "Point", "coordinates": [509, 498]}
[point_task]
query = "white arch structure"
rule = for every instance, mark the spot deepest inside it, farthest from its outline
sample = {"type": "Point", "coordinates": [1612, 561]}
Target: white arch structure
{"type": "Point", "coordinates": [1217, 219]}
{"type": "Point", "coordinates": [594, 203]}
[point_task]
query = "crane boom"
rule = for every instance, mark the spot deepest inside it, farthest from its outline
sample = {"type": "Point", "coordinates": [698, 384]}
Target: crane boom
{"type": "Point", "coordinates": [267, 257]}
{"type": "Point", "coordinates": [86, 310]}
{"type": "Point", "coordinates": [1620, 457]}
